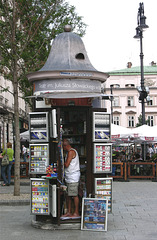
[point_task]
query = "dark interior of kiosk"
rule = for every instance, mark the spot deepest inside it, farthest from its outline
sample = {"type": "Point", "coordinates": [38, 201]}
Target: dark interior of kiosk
{"type": "Point", "coordinates": [73, 127]}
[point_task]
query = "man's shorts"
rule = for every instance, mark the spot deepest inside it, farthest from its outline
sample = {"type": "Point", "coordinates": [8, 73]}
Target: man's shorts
{"type": "Point", "coordinates": [72, 189]}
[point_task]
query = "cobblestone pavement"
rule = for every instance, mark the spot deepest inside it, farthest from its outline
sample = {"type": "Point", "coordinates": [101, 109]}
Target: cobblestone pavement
{"type": "Point", "coordinates": [133, 217]}
{"type": "Point", "coordinates": [7, 194]}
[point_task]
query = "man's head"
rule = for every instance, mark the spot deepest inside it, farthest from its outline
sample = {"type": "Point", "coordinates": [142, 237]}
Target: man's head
{"type": "Point", "coordinates": [66, 145]}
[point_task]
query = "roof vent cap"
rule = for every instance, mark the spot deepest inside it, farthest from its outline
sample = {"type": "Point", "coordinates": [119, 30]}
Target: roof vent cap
{"type": "Point", "coordinates": [67, 28]}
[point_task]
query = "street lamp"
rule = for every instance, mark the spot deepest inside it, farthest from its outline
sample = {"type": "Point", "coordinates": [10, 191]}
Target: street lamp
{"type": "Point", "coordinates": [141, 26]}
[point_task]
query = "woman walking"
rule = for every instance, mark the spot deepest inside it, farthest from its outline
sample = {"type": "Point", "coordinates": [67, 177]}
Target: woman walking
{"type": "Point", "coordinates": [10, 153]}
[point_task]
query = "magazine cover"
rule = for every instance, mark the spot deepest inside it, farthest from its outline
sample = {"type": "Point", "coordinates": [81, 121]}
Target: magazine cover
{"type": "Point", "coordinates": [94, 214]}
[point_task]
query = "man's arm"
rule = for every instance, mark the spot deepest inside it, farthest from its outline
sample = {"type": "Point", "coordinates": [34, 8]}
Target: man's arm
{"type": "Point", "coordinates": [71, 155]}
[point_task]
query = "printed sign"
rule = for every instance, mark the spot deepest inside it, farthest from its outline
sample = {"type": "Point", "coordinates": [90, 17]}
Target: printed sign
{"type": "Point", "coordinates": [94, 214]}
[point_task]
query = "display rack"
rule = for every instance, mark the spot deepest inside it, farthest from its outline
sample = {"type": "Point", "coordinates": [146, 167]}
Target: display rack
{"type": "Point", "coordinates": [40, 196]}
{"type": "Point", "coordinates": [102, 157]}
{"type": "Point", "coordinates": [101, 127]}
{"type": "Point", "coordinates": [38, 125]}
{"type": "Point", "coordinates": [103, 189]}
{"type": "Point", "coordinates": [39, 158]}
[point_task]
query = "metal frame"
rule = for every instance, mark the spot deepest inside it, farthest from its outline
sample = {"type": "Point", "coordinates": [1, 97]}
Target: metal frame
{"type": "Point", "coordinates": [40, 136]}
{"type": "Point", "coordinates": [102, 154]}
{"type": "Point", "coordinates": [38, 161]}
{"type": "Point", "coordinates": [104, 122]}
{"type": "Point", "coordinates": [104, 192]}
{"type": "Point", "coordinates": [39, 199]}
{"type": "Point", "coordinates": [93, 223]}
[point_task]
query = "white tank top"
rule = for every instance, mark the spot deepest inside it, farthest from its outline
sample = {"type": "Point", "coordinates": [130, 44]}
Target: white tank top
{"type": "Point", "coordinates": [72, 173]}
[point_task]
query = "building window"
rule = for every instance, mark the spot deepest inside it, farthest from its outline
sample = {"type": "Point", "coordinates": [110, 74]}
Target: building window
{"type": "Point", "coordinates": [150, 121]}
{"type": "Point", "coordinates": [131, 121]}
{"type": "Point", "coordinates": [130, 101]}
{"type": "Point", "coordinates": [150, 103]}
{"type": "Point", "coordinates": [116, 120]}
{"type": "Point", "coordinates": [129, 85]}
{"type": "Point", "coordinates": [115, 86]}
{"type": "Point", "coordinates": [115, 101]}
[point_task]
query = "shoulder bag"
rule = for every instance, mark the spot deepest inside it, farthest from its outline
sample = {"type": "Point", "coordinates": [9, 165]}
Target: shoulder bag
{"type": "Point", "coordinates": [5, 159]}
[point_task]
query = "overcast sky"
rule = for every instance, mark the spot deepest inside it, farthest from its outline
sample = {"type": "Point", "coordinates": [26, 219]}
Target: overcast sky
{"type": "Point", "coordinates": [111, 26]}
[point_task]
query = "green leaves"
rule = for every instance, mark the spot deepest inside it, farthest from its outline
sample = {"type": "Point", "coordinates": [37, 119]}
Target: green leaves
{"type": "Point", "coordinates": [26, 36]}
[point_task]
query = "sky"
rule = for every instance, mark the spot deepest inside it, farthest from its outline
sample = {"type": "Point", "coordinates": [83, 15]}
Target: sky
{"type": "Point", "coordinates": [111, 27]}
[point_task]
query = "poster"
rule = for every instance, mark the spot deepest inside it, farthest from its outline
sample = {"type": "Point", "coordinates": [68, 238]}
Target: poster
{"type": "Point", "coordinates": [101, 127]}
{"type": "Point", "coordinates": [39, 196]}
{"type": "Point", "coordinates": [39, 158]}
{"type": "Point", "coordinates": [94, 214]}
{"type": "Point", "coordinates": [102, 158]}
{"type": "Point", "coordinates": [38, 127]}
{"type": "Point", "coordinates": [103, 189]}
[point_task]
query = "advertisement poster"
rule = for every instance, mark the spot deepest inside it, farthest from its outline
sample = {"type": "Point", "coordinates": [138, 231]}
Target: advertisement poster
{"type": "Point", "coordinates": [39, 196]}
{"type": "Point", "coordinates": [38, 127]}
{"type": "Point", "coordinates": [102, 158]}
{"type": "Point", "coordinates": [103, 189]}
{"type": "Point", "coordinates": [101, 127]}
{"type": "Point", "coordinates": [94, 214]}
{"type": "Point", "coordinates": [39, 158]}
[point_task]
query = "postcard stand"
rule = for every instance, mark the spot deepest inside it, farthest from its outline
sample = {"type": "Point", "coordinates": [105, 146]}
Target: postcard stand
{"type": "Point", "coordinates": [94, 214]}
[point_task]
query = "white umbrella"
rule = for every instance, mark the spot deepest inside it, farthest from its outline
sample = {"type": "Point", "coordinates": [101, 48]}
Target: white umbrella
{"type": "Point", "coordinates": [144, 133]}
{"type": "Point", "coordinates": [119, 133]}
{"type": "Point", "coordinates": [117, 129]}
{"type": "Point", "coordinates": [24, 136]}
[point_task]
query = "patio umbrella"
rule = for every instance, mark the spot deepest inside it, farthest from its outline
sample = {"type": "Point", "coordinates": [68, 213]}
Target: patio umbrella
{"type": "Point", "coordinates": [24, 136]}
{"type": "Point", "coordinates": [144, 133]}
{"type": "Point", "coordinates": [119, 133]}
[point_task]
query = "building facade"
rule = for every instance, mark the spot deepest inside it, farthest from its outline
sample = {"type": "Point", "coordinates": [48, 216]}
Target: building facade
{"type": "Point", "coordinates": [7, 113]}
{"type": "Point", "coordinates": [125, 106]}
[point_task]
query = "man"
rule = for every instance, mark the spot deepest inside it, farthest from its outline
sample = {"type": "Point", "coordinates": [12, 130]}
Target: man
{"type": "Point", "coordinates": [150, 151]}
{"type": "Point", "coordinates": [24, 153]}
{"type": "Point", "coordinates": [72, 177]}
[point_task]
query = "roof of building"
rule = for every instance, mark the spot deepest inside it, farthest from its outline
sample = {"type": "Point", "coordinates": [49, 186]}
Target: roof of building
{"type": "Point", "coordinates": [135, 71]}
{"type": "Point", "coordinates": [68, 59]}
{"type": "Point", "coordinates": [68, 53]}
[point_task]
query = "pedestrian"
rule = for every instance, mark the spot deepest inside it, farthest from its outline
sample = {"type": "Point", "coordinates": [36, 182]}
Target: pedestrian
{"type": "Point", "coordinates": [24, 153]}
{"type": "Point", "coordinates": [72, 178]}
{"type": "Point", "coordinates": [150, 151]}
{"type": "Point", "coordinates": [10, 153]}
{"type": "Point", "coordinates": [155, 148]}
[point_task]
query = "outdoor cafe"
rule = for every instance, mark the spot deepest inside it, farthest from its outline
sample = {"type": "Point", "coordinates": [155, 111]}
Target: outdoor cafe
{"type": "Point", "coordinates": [127, 162]}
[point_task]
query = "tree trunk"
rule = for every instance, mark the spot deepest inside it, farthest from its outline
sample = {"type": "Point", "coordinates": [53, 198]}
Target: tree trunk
{"type": "Point", "coordinates": [17, 141]}
{"type": "Point", "coordinates": [16, 108]}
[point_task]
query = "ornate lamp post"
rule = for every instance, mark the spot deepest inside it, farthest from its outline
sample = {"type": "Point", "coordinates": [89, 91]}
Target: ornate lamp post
{"type": "Point", "coordinates": [143, 92]}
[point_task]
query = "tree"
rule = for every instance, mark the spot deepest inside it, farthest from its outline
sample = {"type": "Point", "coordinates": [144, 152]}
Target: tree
{"type": "Point", "coordinates": [140, 121]}
{"type": "Point", "coordinates": [27, 28]}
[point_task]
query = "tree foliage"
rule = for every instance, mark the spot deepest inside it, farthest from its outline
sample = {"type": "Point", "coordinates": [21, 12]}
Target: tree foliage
{"type": "Point", "coordinates": [26, 30]}
{"type": "Point", "coordinates": [140, 121]}
{"type": "Point", "coordinates": [36, 24]}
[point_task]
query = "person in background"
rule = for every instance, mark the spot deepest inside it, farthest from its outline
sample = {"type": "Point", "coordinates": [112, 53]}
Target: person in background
{"type": "Point", "coordinates": [10, 153]}
{"type": "Point", "coordinates": [138, 158]}
{"type": "Point", "coordinates": [155, 148]}
{"type": "Point", "coordinates": [72, 178]}
{"type": "Point", "coordinates": [150, 151]}
{"type": "Point", "coordinates": [24, 153]}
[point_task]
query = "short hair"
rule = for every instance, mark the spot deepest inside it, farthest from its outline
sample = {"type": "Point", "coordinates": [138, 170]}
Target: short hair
{"type": "Point", "coordinates": [67, 141]}
{"type": "Point", "coordinates": [9, 145]}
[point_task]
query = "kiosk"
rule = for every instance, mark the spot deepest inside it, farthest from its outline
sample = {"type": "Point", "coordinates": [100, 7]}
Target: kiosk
{"type": "Point", "coordinates": [67, 104]}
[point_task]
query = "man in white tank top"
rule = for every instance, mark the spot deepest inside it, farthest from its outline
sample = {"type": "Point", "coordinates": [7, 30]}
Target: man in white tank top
{"type": "Point", "coordinates": [72, 177]}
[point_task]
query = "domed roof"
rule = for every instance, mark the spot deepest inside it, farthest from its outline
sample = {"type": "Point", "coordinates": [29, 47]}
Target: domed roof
{"type": "Point", "coordinates": [68, 72]}
{"type": "Point", "coordinates": [68, 53]}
